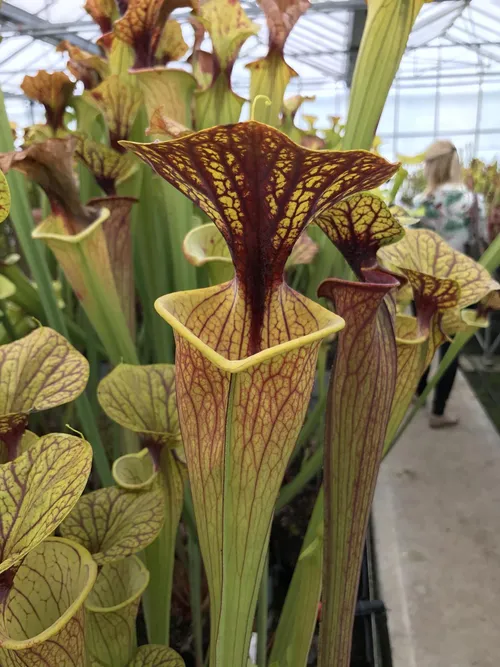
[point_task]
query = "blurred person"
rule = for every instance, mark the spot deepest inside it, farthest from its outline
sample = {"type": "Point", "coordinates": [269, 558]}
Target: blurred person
{"type": "Point", "coordinates": [451, 210]}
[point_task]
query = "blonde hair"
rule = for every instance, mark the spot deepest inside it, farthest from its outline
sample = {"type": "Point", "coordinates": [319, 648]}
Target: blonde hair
{"type": "Point", "coordinates": [442, 165]}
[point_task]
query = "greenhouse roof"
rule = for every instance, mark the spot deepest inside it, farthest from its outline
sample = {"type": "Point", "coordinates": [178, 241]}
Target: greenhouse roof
{"type": "Point", "coordinates": [454, 42]}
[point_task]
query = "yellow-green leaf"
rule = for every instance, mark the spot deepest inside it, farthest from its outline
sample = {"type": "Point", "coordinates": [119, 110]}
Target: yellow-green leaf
{"type": "Point", "coordinates": [171, 45]}
{"type": "Point", "coordinates": [358, 226]}
{"type": "Point", "coordinates": [7, 288]}
{"type": "Point", "coordinates": [228, 26]}
{"type": "Point", "coordinates": [171, 89]}
{"type": "Point", "coordinates": [206, 245]}
{"type": "Point", "coordinates": [292, 640]}
{"type": "Point", "coordinates": [40, 371]}
{"type": "Point", "coordinates": [135, 471]}
{"type": "Point", "coordinates": [411, 159]}
{"type": "Point", "coordinates": [102, 11]}
{"type": "Point", "coordinates": [86, 259]}
{"type": "Point", "coordinates": [50, 164]}
{"type": "Point", "coordinates": [111, 610]}
{"type": "Point", "coordinates": [271, 75]}
{"type": "Point", "coordinates": [115, 523]}
{"type": "Point", "coordinates": [403, 216]}
{"type": "Point", "coordinates": [157, 656]}
{"type": "Point", "coordinates": [118, 101]}
{"type": "Point", "coordinates": [160, 555]}
{"type": "Point", "coordinates": [415, 351]}
{"type": "Point", "coordinates": [37, 372]}
{"type": "Point", "coordinates": [442, 278]}
{"type": "Point", "coordinates": [53, 90]}
{"type": "Point", "coordinates": [4, 197]}
{"type": "Point", "coordinates": [376, 66]}
{"type": "Point", "coordinates": [42, 616]}
{"type": "Point", "coordinates": [218, 104]}
{"type": "Point", "coordinates": [142, 399]}
{"type": "Point", "coordinates": [118, 236]}
{"type": "Point", "coordinates": [108, 166]}
{"type": "Point", "coordinates": [38, 490]}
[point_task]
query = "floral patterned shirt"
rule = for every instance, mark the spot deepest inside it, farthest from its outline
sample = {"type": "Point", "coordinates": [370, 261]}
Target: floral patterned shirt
{"type": "Point", "coordinates": [447, 213]}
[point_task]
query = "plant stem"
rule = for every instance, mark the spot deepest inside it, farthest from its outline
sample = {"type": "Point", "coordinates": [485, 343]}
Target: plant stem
{"type": "Point", "coordinates": [262, 613]}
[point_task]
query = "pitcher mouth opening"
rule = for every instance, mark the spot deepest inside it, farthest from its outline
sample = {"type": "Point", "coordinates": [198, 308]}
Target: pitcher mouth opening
{"type": "Point", "coordinates": [177, 307]}
{"type": "Point", "coordinates": [77, 597]}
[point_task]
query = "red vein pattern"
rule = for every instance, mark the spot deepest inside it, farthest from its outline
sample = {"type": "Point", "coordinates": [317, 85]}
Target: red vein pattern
{"type": "Point", "coordinates": [48, 592]}
{"type": "Point", "coordinates": [38, 372]}
{"type": "Point", "coordinates": [157, 656]}
{"type": "Point", "coordinates": [239, 422]}
{"type": "Point", "coordinates": [142, 399]}
{"type": "Point", "coordinates": [239, 432]}
{"type": "Point", "coordinates": [114, 523]}
{"type": "Point", "coordinates": [50, 164]}
{"type": "Point", "coordinates": [39, 490]}
{"type": "Point", "coordinates": [53, 90]}
{"type": "Point", "coordinates": [281, 16]}
{"type": "Point", "coordinates": [358, 226]}
{"type": "Point", "coordinates": [359, 401]}
{"type": "Point", "coordinates": [108, 166]}
{"type": "Point", "coordinates": [119, 244]}
{"type": "Point", "coordinates": [142, 24]}
{"type": "Point", "coordinates": [111, 611]}
{"type": "Point", "coordinates": [119, 102]}
{"type": "Point", "coordinates": [261, 190]}
{"type": "Point", "coordinates": [414, 352]}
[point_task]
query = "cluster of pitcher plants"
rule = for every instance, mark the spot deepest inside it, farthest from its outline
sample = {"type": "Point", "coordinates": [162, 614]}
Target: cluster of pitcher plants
{"type": "Point", "coordinates": [202, 269]}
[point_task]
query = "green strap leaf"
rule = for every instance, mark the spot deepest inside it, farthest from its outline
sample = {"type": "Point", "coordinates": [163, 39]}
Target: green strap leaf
{"type": "Point", "coordinates": [42, 616]}
{"type": "Point", "coordinates": [157, 656]}
{"type": "Point", "coordinates": [160, 555]}
{"type": "Point", "coordinates": [376, 66]}
{"type": "Point", "coordinates": [111, 610]}
{"type": "Point", "coordinates": [114, 523]}
{"type": "Point", "coordinates": [38, 490]}
{"type": "Point", "coordinates": [295, 631]}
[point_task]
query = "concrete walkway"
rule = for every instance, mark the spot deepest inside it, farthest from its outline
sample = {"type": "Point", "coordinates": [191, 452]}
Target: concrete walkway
{"type": "Point", "coordinates": [437, 523]}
